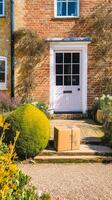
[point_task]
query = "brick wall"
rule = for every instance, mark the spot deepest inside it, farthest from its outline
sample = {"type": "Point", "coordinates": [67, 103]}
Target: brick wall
{"type": "Point", "coordinates": [5, 39]}
{"type": "Point", "coordinates": [38, 15]}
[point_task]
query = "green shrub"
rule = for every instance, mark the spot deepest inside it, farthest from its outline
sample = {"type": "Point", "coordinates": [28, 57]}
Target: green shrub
{"type": "Point", "coordinates": [14, 185]}
{"type": "Point", "coordinates": [43, 107]}
{"type": "Point", "coordinates": [103, 103]}
{"type": "Point", "coordinates": [34, 128]}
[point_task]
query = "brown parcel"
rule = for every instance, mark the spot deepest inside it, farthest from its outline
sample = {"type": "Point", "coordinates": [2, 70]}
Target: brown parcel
{"type": "Point", "coordinates": [75, 138]}
{"type": "Point", "coordinates": [66, 138]}
{"type": "Point", "coordinates": [62, 138]}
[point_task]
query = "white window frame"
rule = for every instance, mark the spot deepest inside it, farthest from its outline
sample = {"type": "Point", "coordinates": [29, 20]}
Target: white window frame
{"type": "Point", "coordinates": [3, 86]}
{"type": "Point", "coordinates": [3, 14]}
{"type": "Point", "coordinates": [55, 11]}
{"type": "Point", "coordinates": [71, 74]}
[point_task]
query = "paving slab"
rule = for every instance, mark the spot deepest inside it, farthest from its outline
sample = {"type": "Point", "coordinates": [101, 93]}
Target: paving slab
{"type": "Point", "coordinates": [90, 132]}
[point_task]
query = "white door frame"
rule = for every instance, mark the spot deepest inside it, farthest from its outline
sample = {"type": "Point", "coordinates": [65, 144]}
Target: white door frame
{"type": "Point", "coordinates": [69, 46]}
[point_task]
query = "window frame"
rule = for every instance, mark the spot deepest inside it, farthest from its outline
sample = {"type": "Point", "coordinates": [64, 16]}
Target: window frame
{"type": "Point", "coordinates": [3, 85]}
{"type": "Point", "coordinates": [71, 74]}
{"type": "Point", "coordinates": [3, 14]}
{"type": "Point", "coordinates": [55, 11]}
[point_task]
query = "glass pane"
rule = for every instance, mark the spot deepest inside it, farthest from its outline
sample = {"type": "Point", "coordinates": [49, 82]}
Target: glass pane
{"type": "Point", "coordinates": [75, 80]}
{"type": "Point", "coordinates": [67, 57]}
{"type": "Point", "coordinates": [1, 8]}
{"type": "Point", "coordinates": [2, 65]}
{"type": "Point", "coordinates": [59, 69]}
{"type": "Point", "coordinates": [2, 77]}
{"type": "Point", "coordinates": [72, 9]}
{"type": "Point", "coordinates": [59, 80]}
{"type": "Point", "coordinates": [59, 57]}
{"type": "Point", "coordinates": [67, 69]}
{"type": "Point", "coordinates": [67, 80]}
{"type": "Point", "coordinates": [76, 58]}
{"type": "Point", "coordinates": [76, 69]}
{"type": "Point", "coordinates": [61, 8]}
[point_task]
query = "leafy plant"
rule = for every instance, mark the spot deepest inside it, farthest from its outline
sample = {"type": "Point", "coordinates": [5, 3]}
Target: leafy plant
{"type": "Point", "coordinates": [34, 130]}
{"type": "Point", "coordinates": [14, 185]}
{"type": "Point", "coordinates": [43, 107]}
{"type": "Point", "coordinates": [30, 51]}
{"type": "Point", "coordinates": [104, 103]}
{"type": "Point", "coordinates": [8, 104]}
{"type": "Point", "coordinates": [45, 197]}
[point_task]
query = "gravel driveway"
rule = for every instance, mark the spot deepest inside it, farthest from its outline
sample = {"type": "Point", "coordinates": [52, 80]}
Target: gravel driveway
{"type": "Point", "coordinates": [72, 181]}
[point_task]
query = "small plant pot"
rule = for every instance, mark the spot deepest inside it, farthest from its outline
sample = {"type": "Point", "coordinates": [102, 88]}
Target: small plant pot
{"type": "Point", "coordinates": [99, 116]}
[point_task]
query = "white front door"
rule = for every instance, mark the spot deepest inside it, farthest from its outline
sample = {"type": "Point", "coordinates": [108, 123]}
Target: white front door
{"type": "Point", "coordinates": [68, 81]}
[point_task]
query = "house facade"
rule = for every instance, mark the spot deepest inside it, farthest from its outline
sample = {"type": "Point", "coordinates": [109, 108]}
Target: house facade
{"type": "Point", "coordinates": [5, 47]}
{"type": "Point", "coordinates": [66, 78]}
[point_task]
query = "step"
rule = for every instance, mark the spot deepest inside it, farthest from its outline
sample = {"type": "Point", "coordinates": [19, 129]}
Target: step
{"type": "Point", "coordinates": [68, 116]}
{"type": "Point", "coordinates": [84, 150]}
{"type": "Point", "coordinates": [73, 159]}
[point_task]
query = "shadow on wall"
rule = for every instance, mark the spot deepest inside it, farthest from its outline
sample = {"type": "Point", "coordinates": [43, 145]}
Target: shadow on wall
{"type": "Point", "coordinates": [30, 57]}
{"type": "Point", "coordinates": [98, 25]}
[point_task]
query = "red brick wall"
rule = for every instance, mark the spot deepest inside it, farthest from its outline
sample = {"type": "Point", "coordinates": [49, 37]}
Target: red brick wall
{"type": "Point", "coordinates": [38, 15]}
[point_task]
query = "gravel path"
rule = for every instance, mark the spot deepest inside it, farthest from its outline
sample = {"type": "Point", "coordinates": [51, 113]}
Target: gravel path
{"type": "Point", "coordinates": [72, 181]}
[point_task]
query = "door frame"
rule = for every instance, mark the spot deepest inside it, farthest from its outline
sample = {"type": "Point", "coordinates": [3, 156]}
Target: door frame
{"type": "Point", "coordinates": [69, 46]}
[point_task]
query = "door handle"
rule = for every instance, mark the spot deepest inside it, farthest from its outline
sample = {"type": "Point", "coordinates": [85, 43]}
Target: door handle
{"type": "Point", "coordinates": [78, 89]}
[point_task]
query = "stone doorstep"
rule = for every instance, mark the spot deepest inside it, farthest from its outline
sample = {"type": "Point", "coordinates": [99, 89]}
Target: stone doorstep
{"type": "Point", "coordinates": [73, 159]}
{"type": "Point", "coordinates": [83, 151]}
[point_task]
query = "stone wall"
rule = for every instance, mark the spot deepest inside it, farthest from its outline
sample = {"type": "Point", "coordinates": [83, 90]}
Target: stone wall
{"type": "Point", "coordinates": [5, 40]}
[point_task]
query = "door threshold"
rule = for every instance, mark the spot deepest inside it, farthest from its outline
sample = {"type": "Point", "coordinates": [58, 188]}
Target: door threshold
{"type": "Point", "coordinates": [70, 112]}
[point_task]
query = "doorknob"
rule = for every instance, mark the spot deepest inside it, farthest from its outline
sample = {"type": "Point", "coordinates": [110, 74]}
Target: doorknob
{"type": "Point", "coordinates": [78, 89]}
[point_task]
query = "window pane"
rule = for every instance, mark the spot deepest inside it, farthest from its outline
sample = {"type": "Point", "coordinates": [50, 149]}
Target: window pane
{"type": "Point", "coordinates": [76, 58]}
{"type": "Point", "coordinates": [59, 57]}
{"type": "Point", "coordinates": [59, 69]}
{"type": "Point", "coordinates": [75, 69]}
{"type": "Point", "coordinates": [67, 57]}
{"type": "Point", "coordinates": [75, 80]}
{"type": "Point", "coordinates": [1, 8]}
{"type": "Point", "coordinates": [72, 8]}
{"type": "Point", "coordinates": [59, 80]}
{"type": "Point", "coordinates": [61, 8]}
{"type": "Point", "coordinates": [67, 69]}
{"type": "Point", "coordinates": [2, 65]}
{"type": "Point", "coordinates": [67, 80]}
{"type": "Point", "coordinates": [2, 77]}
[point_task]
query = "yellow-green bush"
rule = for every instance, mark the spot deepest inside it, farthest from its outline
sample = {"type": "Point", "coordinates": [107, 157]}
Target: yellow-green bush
{"type": "Point", "coordinates": [14, 185]}
{"type": "Point", "coordinates": [34, 130]}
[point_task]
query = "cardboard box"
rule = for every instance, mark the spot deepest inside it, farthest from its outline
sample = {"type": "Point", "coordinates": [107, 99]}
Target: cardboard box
{"type": "Point", "coordinates": [75, 138]}
{"type": "Point", "coordinates": [62, 138]}
{"type": "Point", "coordinates": [66, 138]}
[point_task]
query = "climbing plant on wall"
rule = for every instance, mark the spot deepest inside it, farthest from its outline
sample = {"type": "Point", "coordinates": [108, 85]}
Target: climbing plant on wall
{"type": "Point", "coordinates": [99, 28]}
{"type": "Point", "coordinates": [29, 51]}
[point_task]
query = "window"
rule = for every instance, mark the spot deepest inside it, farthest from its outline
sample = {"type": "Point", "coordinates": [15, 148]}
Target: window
{"type": "Point", "coordinates": [3, 72]}
{"type": "Point", "coordinates": [67, 69]}
{"type": "Point", "coordinates": [1, 7]}
{"type": "Point", "coordinates": [67, 8]}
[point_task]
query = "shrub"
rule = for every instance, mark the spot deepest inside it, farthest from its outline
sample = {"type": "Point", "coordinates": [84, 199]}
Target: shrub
{"type": "Point", "coordinates": [43, 107]}
{"type": "Point", "coordinates": [34, 130]}
{"type": "Point", "coordinates": [14, 185]}
{"type": "Point", "coordinates": [8, 104]}
{"type": "Point", "coordinates": [103, 103]}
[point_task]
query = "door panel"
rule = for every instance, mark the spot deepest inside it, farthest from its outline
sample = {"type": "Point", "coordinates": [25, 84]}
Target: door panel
{"type": "Point", "coordinates": [68, 95]}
